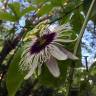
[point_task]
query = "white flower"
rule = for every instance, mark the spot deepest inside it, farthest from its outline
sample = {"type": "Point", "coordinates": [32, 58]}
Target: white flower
{"type": "Point", "coordinates": [46, 49]}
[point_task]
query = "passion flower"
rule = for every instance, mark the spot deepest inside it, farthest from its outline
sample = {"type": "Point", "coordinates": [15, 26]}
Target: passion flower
{"type": "Point", "coordinates": [45, 49]}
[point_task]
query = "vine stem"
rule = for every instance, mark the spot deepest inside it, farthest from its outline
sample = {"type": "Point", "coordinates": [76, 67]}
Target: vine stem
{"type": "Point", "coordinates": [71, 73]}
{"type": "Point", "coordinates": [83, 28]}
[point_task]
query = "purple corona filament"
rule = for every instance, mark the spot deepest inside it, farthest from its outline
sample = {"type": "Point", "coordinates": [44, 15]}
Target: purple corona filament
{"type": "Point", "coordinates": [42, 42]}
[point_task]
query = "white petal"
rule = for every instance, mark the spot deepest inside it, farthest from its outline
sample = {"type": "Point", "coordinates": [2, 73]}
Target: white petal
{"type": "Point", "coordinates": [69, 54]}
{"type": "Point", "coordinates": [53, 67]}
{"type": "Point", "coordinates": [33, 67]}
{"type": "Point", "coordinates": [57, 53]}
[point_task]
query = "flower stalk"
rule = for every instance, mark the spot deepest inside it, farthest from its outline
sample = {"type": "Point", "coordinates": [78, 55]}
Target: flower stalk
{"type": "Point", "coordinates": [83, 27]}
{"type": "Point", "coordinates": [71, 73]}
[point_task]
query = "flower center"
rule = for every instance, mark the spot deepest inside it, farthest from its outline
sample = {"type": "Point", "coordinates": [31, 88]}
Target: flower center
{"type": "Point", "coordinates": [42, 42]}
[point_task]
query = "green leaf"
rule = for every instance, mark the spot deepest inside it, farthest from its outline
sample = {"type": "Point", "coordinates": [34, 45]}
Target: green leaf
{"type": "Point", "coordinates": [47, 79]}
{"type": "Point", "coordinates": [15, 7]}
{"type": "Point", "coordinates": [7, 16]}
{"type": "Point", "coordinates": [57, 2]}
{"type": "Point", "coordinates": [27, 10]}
{"type": "Point", "coordinates": [77, 21]}
{"type": "Point", "coordinates": [14, 77]}
{"type": "Point", "coordinates": [45, 9]}
{"type": "Point", "coordinates": [92, 68]}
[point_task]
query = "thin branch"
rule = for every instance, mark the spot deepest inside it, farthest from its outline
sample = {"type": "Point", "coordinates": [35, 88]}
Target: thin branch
{"type": "Point", "coordinates": [87, 76]}
{"type": "Point", "coordinates": [59, 18]}
{"type": "Point", "coordinates": [86, 62]}
{"type": "Point", "coordinates": [5, 4]}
